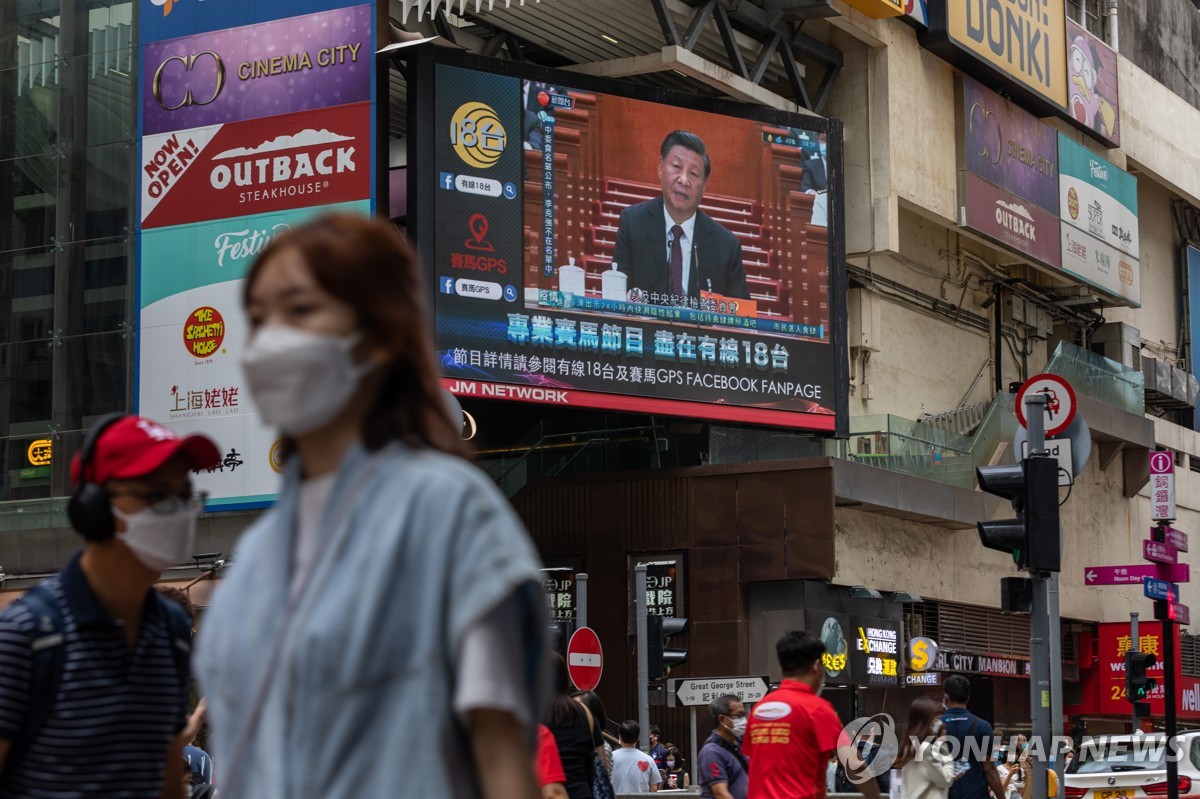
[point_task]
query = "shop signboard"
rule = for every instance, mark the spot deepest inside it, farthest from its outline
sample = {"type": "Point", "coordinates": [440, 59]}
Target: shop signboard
{"type": "Point", "coordinates": [1114, 641]}
{"type": "Point", "coordinates": [253, 117]}
{"type": "Point", "coordinates": [1020, 43]}
{"type": "Point", "coordinates": [1008, 220]}
{"type": "Point", "coordinates": [1092, 84]}
{"type": "Point", "coordinates": [193, 332]}
{"type": "Point", "coordinates": [835, 631]}
{"type": "Point", "coordinates": [875, 651]}
{"type": "Point", "coordinates": [296, 64]}
{"type": "Point", "coordinates": [1098, 207]}
{"type": "Point", "coordinates": [1007, 146]}
{"type": "Point", "coordinates": [293, 161]}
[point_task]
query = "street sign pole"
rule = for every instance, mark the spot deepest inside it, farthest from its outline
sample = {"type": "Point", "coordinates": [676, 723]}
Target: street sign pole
{"type": "Point", "coordinates": [1039, 661]}
{"type": "Point", "coordinates": [1133, 638]}
{"type": "Point", "coordinates": [1169, 701]}
{"type": "Point", "coordinates": [643, 656]}
{"type": "Point", "coordinates": [695, 747]}
{"type": "Point", "coordinates": [581, 599]}
{"type": "Point", "coordinates": [1056, 697]}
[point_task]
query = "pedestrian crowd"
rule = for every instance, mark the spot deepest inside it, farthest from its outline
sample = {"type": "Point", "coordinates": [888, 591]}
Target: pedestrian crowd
{"type": "Point", "coordinates": [380, 631]}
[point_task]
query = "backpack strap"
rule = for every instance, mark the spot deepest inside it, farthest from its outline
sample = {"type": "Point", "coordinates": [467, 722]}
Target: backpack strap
{"type": "Point", "coordinates": [179, 626]}
{"type": "Point", "coordinates": [46, 646]}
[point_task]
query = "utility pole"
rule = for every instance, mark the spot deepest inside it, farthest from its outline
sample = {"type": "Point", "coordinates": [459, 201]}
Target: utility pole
{"type": "Point", "coordinates": [643, 659]}
{"type": "Point", "coordinates": [581, 616]}
{"type": "Point", "coordinates": [1133, 647]}
{"type": "Point", "coordinates": [1041, 632]}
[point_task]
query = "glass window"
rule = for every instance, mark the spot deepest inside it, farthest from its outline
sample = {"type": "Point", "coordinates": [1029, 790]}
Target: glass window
{"type": "Point", "coordinates": [26, 295]}
{"type": "Point", "coordinates": [28, 212]}
{"type": "Point", "coordinates": [98, 369]}
{"type": "Point", "coordinates": [108, 190]}
{"type": "Point", "coordinates": [26, 373]}
{"type": "Point", "coordinates": [38, 32]}
{"type": "Point", "coordinates": [112, 109]}
{"type": "Point", "coordinates": [31, 128]}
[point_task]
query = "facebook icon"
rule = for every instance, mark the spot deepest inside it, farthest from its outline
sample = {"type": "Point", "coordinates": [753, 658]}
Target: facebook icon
{"type": "Point", "coordinates": [447, 285]}
{"type": "Point", "coordinates": [446, 180]}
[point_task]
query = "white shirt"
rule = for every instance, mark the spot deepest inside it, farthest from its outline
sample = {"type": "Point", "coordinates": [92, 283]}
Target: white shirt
{"type": "Point", "coordinates": [633, 771]}
{"type": "Point", "coordinates": [488, 669]}
{"type": "Point", "coordinates": [685, 243]}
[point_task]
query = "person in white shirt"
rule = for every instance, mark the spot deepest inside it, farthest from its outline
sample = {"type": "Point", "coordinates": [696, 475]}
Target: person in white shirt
{"type": "Point", "coordinates": [926, 770]}
{"type": "Point", "coordinates": [633, 771]}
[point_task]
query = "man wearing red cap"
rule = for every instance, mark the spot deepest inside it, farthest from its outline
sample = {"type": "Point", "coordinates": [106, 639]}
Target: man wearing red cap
{"type": "Point", "coordinates": [107, 721]}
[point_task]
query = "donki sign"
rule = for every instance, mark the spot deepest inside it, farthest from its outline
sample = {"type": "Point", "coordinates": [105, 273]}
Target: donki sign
{"type": "Point", "coordinates": [273, 164]}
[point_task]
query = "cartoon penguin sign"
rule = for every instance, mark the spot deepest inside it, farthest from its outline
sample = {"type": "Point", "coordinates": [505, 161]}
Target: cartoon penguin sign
{"type": "Point", "coordinates": [1092, 79]}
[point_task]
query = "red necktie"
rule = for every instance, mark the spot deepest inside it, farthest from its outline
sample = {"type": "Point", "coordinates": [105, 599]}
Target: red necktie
{"type": "Point", "coordinates": [676, 261]}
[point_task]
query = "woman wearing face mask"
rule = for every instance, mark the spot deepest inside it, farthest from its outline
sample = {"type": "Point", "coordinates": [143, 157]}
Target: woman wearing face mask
{"type": "Point", "coordinates": [926, 770]}
{"type": "Point", "coordinates": [390, 597]}
{"type": "Point", "coordinates": [674, 776]}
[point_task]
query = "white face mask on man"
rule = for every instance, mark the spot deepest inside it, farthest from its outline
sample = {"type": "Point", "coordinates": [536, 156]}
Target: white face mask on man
{"type": "Point", "coordinates": [159, 540]}
{"type": "Point", "coordinates": [301, 380]}
{"type": "Point", "coordinates": [738, 727]}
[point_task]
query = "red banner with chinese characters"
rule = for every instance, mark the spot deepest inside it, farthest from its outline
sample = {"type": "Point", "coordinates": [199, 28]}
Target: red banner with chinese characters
{"type": "Point", "coordinates": [1113, 641]}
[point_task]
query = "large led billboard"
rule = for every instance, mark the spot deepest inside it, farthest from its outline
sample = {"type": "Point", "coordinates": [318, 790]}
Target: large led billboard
{"type": "Point", "coordinates": [600, 245]}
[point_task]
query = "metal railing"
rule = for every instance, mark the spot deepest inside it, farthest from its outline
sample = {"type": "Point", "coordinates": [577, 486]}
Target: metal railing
{"type": "Point", "coordinates": [1100, 378]}
{"type": "Point", "coordinates": [924, 449]}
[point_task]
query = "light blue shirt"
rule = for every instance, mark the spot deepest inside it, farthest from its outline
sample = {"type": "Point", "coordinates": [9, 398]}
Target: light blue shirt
{"type": "Point", "coordinates": [347, 692]}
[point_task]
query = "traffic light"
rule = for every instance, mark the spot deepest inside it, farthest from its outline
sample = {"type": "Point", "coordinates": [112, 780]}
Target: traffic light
{"type": "Point", "coordinates": [560, 635]}
{"type": "Point", "coordinates": [1137, 685]}
{"type": "Point", "coordinates": [660, 657]}
{"type": "Point", "coordinates": [1032, 537]}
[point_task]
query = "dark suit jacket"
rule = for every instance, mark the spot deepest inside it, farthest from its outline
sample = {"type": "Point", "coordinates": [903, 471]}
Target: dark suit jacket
{"type": "Point", "coordinates": [641, 253]}
{"type": "Point", "coordinates": [815, 175]}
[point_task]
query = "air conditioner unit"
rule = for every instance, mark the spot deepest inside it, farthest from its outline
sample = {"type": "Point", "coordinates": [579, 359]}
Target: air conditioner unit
{"type": "Point", "coordinates": [1118, 342]}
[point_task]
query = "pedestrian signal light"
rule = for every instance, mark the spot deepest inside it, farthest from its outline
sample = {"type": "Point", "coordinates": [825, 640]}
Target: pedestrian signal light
{"type": "Point", "coordinates": [661, 658]}
{"type": "Point", "coordinates": [1137, 685]}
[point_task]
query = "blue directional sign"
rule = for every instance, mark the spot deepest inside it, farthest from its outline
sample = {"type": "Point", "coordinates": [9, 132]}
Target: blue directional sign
{"type": "Point", "coordinates": [1160, 589]}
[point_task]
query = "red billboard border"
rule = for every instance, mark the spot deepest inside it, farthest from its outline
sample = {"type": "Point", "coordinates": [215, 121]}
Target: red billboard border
{"type": "Point", "coordinates": [574, 398]}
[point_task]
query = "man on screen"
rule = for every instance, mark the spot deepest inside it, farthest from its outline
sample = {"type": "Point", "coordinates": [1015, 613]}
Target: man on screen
{"type": "Point", "coordinates": [667, 245]}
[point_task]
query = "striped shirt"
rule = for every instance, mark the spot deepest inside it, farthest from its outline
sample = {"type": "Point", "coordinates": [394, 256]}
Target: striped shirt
{"type": "Point", "coordinates": [115, 712]}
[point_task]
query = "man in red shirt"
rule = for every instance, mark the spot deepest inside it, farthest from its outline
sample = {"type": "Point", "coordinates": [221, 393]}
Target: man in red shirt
{"type": "Point", "coordinates": [793, 731]}
{"type": "Point", "coordinates": [548, 766]}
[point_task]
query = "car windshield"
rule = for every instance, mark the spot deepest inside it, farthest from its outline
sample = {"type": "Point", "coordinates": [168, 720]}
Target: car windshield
{"type": "Point", "coordinates": [1143, 753]}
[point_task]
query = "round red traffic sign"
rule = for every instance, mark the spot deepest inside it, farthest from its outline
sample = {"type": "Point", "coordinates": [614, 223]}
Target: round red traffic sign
{"type": "Point", "coordinates": [1060, 401]}
{"type": "Point", "coordinates": [585, 659]}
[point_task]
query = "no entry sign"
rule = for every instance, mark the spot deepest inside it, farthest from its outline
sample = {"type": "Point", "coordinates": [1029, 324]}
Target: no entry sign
{"type": "Point", "coordinates": [585, 659]}
{"type": "Point", "coordinates": [1060, 401]}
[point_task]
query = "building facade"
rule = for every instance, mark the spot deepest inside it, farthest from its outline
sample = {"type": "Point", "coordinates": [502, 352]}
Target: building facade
{"type": "Point", "coordinates": [968, 266]}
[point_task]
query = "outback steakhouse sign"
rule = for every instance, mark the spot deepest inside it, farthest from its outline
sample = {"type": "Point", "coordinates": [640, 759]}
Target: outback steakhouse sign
{"type": "Point", "coordinates": [295, 160]}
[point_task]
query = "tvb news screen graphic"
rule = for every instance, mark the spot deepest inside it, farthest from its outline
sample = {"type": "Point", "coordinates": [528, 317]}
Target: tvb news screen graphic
{"type": "Point", "coordinates": [598, 250]}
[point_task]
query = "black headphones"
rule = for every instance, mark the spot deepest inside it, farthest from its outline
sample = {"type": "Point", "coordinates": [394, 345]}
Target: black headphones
{"type": "Point", "coordinates": [89, 509]}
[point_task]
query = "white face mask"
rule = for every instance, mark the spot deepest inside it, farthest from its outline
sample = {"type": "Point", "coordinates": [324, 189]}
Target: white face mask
{"type": "Point", "coordinates": [301, 380]}
{"type": "Point", "coordinates": [738, 728]}
{"type": "Point", "coordinates": [159, 540]}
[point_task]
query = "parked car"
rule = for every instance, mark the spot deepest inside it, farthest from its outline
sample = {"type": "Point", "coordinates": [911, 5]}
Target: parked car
{"type": "Point", "coordinates": [1133, 767]}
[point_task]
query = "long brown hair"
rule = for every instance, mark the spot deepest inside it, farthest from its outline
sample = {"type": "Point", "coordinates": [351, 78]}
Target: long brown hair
{"type": "Point", "coordinates": [921, 715]}
{"type": "Point", "coordinates": [368, 265]}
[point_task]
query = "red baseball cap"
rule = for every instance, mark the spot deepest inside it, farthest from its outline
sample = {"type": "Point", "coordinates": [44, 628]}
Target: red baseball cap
{"type": "Point", "coordinates": [133, 447]}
